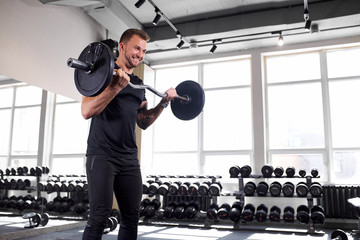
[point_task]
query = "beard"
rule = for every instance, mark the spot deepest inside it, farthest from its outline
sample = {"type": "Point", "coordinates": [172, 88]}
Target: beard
{"type": "Point", "coordinates": [130, 61]}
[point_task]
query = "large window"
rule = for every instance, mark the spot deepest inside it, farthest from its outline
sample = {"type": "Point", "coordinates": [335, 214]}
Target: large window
{"type": "Point", "coordinates": [312, 112]}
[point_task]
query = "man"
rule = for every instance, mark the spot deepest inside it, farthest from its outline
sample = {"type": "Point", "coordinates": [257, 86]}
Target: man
{"type": "Point", "coordinates": [112, 163]}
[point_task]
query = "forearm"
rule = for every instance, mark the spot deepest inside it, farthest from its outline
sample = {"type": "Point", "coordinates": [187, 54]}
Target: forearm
{"type": "Point", "coordinates": [148, 116]}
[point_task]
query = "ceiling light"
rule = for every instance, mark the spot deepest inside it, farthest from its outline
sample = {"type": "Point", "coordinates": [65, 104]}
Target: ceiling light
{"type": "Point", "coordinates": [212, 50]}
{"type": "Point", "coordinates": [157, 17]}
{"type": "Point", "coordinates": [180, 44]}
{"type": "Point", "coordinates": [281, 40]}
{"type": "Point", "coordinates": [139, 3]}
{"type": "Point", "coordinates": [307, 25]}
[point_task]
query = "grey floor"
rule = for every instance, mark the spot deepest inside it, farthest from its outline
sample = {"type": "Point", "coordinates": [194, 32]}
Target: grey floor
{"type": "Point", "coordinates": [13, 228]}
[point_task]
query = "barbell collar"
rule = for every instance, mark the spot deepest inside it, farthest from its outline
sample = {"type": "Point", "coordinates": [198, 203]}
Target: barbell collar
{"type": "Point", "coordinates": [80, 65]}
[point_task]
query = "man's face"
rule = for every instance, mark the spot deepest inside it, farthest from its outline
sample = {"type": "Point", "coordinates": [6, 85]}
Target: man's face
{"type": "Point", "coordinates": [134, 51]}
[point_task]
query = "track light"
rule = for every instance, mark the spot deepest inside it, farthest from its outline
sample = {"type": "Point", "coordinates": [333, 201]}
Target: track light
{"type": "Point", "coordinates": [139, 3]}
{"type": "Point", "coordinates": [307, 24]}
{"type": "Point", "coordinates": [157, 17]}
{"type": "Point", "coordinates": [212, 50]}
{"type": "Point", "coordinates": [281, 40]}
{"type": "Point", "coordinates": [180, 44]}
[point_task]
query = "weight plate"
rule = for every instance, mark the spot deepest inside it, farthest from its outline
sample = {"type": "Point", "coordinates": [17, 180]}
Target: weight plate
{"type": "Point", "coordinates": [44, 219]}
{"type": "Point", "coordinates": [187, 110]}
{"type": "Point", "coordinates": [36, 220]}
{"type": "Point", "coordinates": [339, 235]}
{"type": "Point", "coordinates": [93, 83]}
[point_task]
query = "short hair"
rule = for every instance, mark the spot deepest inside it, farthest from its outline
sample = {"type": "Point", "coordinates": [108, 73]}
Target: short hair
{"type": "Point", "coordinates": [127, 35]}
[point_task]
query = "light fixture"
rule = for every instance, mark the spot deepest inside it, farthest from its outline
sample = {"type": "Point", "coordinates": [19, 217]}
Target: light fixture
{"type": "Point", "coordinates": [212, 50]}
{"type": "Point", "coordinates": [281, 40]}
{"type": "Point", "coordinates": [180, 43]}
{"type": "Point", "coordinates": [307, 24]}
{"type": "Point", "coordinates": [157, 17]}
{"type": "Point", "coordinates": [139, 3]}
{"type": "Point", "coordinates": [307, 16]}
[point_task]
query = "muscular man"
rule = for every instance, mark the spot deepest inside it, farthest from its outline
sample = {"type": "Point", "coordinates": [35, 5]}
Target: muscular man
{"type": "Point", "coordinates": [112, 162]}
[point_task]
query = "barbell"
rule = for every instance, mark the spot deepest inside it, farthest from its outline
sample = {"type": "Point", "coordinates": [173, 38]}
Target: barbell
{"type": "Point", "coordinates": [94, 70]}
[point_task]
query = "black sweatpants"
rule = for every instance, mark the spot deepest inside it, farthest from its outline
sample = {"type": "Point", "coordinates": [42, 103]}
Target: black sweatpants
{"type": "Point", "coordinates": [106, 175]}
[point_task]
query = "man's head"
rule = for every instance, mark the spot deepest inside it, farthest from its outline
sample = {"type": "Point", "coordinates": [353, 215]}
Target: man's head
{"type": "Point", "coordinates": [132, 47]}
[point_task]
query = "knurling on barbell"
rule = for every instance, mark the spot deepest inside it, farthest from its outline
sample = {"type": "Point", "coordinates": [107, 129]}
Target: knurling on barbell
{"type": "Point", "coordinates": [94, 70]}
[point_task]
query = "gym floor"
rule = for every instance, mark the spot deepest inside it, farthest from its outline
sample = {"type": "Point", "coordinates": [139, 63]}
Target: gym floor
{"type": "Point", "coordinates": [13, 228]}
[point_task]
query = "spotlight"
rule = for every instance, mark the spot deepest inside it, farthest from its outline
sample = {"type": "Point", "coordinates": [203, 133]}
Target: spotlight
{"type": "Point", "coordinates": [307, 25]}
{"type": "Point", "coordinates": [139, 3]}
{"type": "Point", "coordinates": [281, 40]}
{"type": "Point", "coordinates": [213, 48]}
{"type": "Point", "coordinates": [157, 17]}
{"type": "Point", "coordinates": [180, 44]}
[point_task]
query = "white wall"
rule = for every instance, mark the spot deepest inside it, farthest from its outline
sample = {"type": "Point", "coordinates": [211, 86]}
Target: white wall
{"type": "Point", "coordinates": [36, 40]}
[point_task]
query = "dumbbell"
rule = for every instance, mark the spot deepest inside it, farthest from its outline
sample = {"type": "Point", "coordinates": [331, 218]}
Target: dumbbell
{"type": "Point", "coordinates": [302, 189]}
{"type": "Point", "coordinates": [143, 205]}
{"type": "Point", "coordinates": [338, 234]}
{"type": "Point", "coordinates": [194, 189]}
{"type": "Point", "coordinates": [35, 219]}
{"type": "Point", "coordinates": [169, 210]}
{"type": "Point", "coordinates": [223, 212]}
{"type": "Point", "coordinates": [111, 224]}
{"type": "Point", "coordinates": [261, 213]}
{"type": "Point", "coordinates": [116, 213]}
{"type": "Point", "coordinates": [248, 212]}
{"type": "Point", "coordinates": [302, 172]}
{"type": "Point", "coordinates": [191, 210]}
{"type": "Point", "coordinates": [262, 188]}
{"type": "Point", "coordinates": [249, 188]}
{"type": "Point", "coordinates": [278, 171]}
{"type": "Point", "coordinates": [274, 214]}
{"type": "Point", "coordinates": [302, 214]}
{"type": "Point", "coordinates": [164, 188]}
{"type": "Point", "coordinates": [215, 188]}
{"type": "Point", "coordinates": [174, 187]}
{"type": "Point", "coordinates": [288, 215]}
{"type": "Point", "coordinates": [146, 186]}
{"type": "Point", "coordinates": [290, 171]}
{"type": "Point", "coordinates": [153, 188]}
{"type": "Point", "coordinates": [151, 208]}
{"type": "Point", "coordinates": [36, 171]}
{"type": "Point", "coordinates": [245, 171]}
{"type": "Point", "coordinates": [267, 170]}
{"type": "Point", "coordinates": [179, 211]}
{"type": "Point", "coordinates": [23, 184]}
{"type": "Point", "coordinates": [315, 189]}
{"type": "Point", "coordinates": [275, 189]}
{"type": "Point", "coordinates": [234, 171]}
{"type": "Point", "coordinates": [288, 189]}
{"type": "Point", "coordinates": [317, 214]}
{"type": "Point", "coordinates": [211, 213]}
{"type": "Point", "coordinates": [235, 211]}
{"type": "Point", "coordinates": [314, 172]}
{"type": "Point", "coordinates": [183, 189]}
{"type": "Point", "coordinates": [204, 188]}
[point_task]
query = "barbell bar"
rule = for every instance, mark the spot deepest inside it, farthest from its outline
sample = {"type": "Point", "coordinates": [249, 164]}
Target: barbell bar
{"type": "Point", "coordinates": [94, 70]}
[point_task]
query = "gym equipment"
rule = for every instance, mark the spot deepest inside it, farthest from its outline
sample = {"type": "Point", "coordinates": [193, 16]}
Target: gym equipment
{"type": "Point", "coordinates": [274, 215]}
{"type": "Point", "coordinates": [315, 189]}
{"type": "Point", "coordinates": [223, 212]}
{"type": "Point", "coordinates": [174, 187]}
{"type": "Point", "coordinates": [194, 189]}
{"type": "Point", "coordinates": [288, 189]}
{"type": "Point", "coordinates": [262, 188]}
{"type": "Point", "coordinates": [338, 234]}
{"type": "Point", "coordinates": [317, 214]}
{"type": "Point", "coordinates": [289, 214]}
{"type": "Point", "coordinates": [261, 213]}
{"type": "Point", "coordinates": [35, 219]}
{"type": "Point", "coordinates": [245, 171]}
{"type": "Point", "coordinates": [267, 170]}
{"type": "Point", "coordinates": [248, 212]}
{"type": "Point", "coordinates": [275, 189]}
{"type": "Point", "coordinates": [204, 188]}
{"type": "Point", "coordinates": [302, 189]}
{"type": "Point", "coordinates": [169, 210]}
{"type": "Point", "coordinates": [314, 172]}
{"type": "Point", "coordinates": [302, 172]}
{"type": "Point", "coordinates": [153, 188]}
{"type": "Point", "coordinates": [302, 214]}
{"type": "Point", "coordinates": [94, 70]}
{"type": "Point", "coordinates": [234, 171]}
{"type": "Point", "coordinates": [249, 188]}
{"type": "Point", "coordinates": [143, 205]}
{"type": "Point", "coordinates": [179, 211]}
{"type": "Point", "coordinates": [111, 224]}
{"type": "Point", "coordinates": [191, 210]}
{"type": "Point", "coordinates": [183, 189]}
{"type": "Point", "coordinates": [278, 171]}
{"type": "Point", "coordinates": [211, 213]}
{"type": "Point", "coordinates": [290, 171]}
{"type": "Point", "coordinates": [215, 189]}
{"type": "Point", "coordinates": [164, 188]}
{"type": "Point", "coordinates": [235, 212]}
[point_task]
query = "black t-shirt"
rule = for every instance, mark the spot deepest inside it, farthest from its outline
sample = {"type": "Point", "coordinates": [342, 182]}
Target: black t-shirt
{"type": "Point", "coordinates": [112, 132]}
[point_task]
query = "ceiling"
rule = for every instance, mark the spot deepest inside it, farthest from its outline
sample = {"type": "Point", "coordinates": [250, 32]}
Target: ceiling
{"type": "Point", "coordinates": [234, 25]}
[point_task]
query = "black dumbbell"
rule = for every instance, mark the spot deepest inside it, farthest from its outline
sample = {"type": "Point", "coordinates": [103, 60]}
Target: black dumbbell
{"type": "Point", "coordinates": [314, 172]}
{"type": "Point", "coordinates": [290, 171]}
{"type": "Point", "coordinates": [174, 187]}
{"type": "Point", "coordinates": [275, 189]}
{"type": "Point", "coordinates": [315, 189]}
{"type": "Point", "coordinates": [183, 189]}
{"type": "Point", "coordinates": [164, 188]}
{"type": "Point", "coordinates": [143, 205]}
{"type": "Point", "coordinates": [302, 189]}
{"type": "Point", "coordinates": [338, 234]}
{"type": "Point", "coordinates": [288, 215]}
{"type": "Point", "coordinates": [234, 171]}
{"type": "Point", "coordinates": [249, 188]}
{"type": "Point", "coordinates": [169, 210]}
{"type": "Point", "coordinates": [146, 186]}
{"type": "Point", "coordinates": [274, 214]}
{"type": "Point", "coordinates": [261, 213]}
{"type": "Point", "coordinates": [211, 213]}
{"type": "Point", "coordinates": [288, 189]}
{"type": "Point", "coordinates": [194, 189]}
{"type": "Point", "coordinates": [191, 210]}
{"type": "Point", "coordinates": [278, 171]}
{"type": "Point", "coordinates": [151, 208]}
{"type": "Point", "coordinates": [204, 188]}
{"type": "Point", "coordinates": [235, 211]}
{"type": "Point", "coordinates": [267, 170]}
{"type": "Point", "coordinates": [302, 214]}
{"type": "Point", "coordinates": [35, 219]}
{"type": "Point", "coordinates": [262, 188]}
{"type": "Point", "coordinates": [245, 171]}
{"type": "Point", "coordinates": [153, 188]}
{"type": "Point", "coordinates": [111, 224]}
{"type": "Point", "coordinates": [215, 189]}
{"type": "Point", "coordinates": [302, 172]}
{"type": "Point", "coordinates": [223, 212]}
{"type": "Point", "coordinates": [317, 214]}
{"type": "Point", "coordinates": [248, 212]}
{"type": "Point", "coordinates": [179, 211]}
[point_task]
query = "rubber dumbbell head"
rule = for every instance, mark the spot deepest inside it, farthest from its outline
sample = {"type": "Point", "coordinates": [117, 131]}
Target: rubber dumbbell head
{"type": "Point", "coordinates": [223, 212]}
{"type": "Point", "coordinates": [262, 188]}
{"type": "Point", "coordinates": [290, 171]}
{"type": "Point", "coordinates": [249, 188]}
{"type": "Point", "coordinates": [314, 172]}
{"type": "Point", "coordinates": [302, 214]}
{"type": "Point", "coordinates": [302, 172]}
{"type": "Point", "coordinates": [289, 214]}
{"type": "Point", "coordinates": [317, 214]}
{"type": "Point", "coordinates": [248, 212]}
{"type": "Point", "coordinates": [288, 189]}
{"type": "Point", "coordinates": [245, 171]}
{"type": "Point", "coordinates": [235, 212]}
{"type": "Point", "coordinates": [275, 189]}
{"type": "Point", "coordinates": [274, 214]}
{"type": "Point", "coordinates": [302, 189]}
{"type": "Point", "coordinates": [234, 171]}
{"type": "Point", "coordinates": [315, 189]}
{"type": "Point", "coordinates": [261, 213]}
{"type": "Point", "coordinates": [267, 170]}
{"type": "Point", "coordinates": [278, 171]}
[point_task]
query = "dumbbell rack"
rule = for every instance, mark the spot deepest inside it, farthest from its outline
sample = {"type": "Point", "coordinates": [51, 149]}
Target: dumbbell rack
{"type": "Point", "coordinates": [240, 195]}
{"type": "Point", "coordinates": [209, 199]}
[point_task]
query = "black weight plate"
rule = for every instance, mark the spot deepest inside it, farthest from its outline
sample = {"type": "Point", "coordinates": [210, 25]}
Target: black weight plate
{"type": "Point", "coordinates": [44, 219]}
{"type": "Point", "coordinates": [188, 110]}
{"type": "Point", "coordinates": [339, 235]}
{"type": "Point", "coordinates": [36, 220]}
{"type": "Point", "coordinates": [93, 83]}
